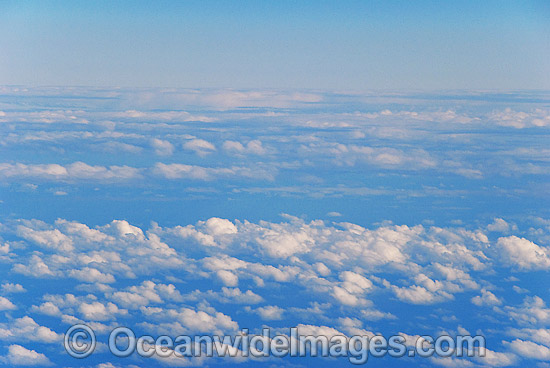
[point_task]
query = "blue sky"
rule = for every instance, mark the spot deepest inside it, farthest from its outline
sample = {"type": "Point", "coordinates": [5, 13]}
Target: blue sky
{"type": "Point", "coordinates": [345, 45]}
{"type": "Point", "coordinates": [348, 168]}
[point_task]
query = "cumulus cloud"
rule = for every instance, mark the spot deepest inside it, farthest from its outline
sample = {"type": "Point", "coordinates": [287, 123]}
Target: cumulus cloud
{"type": "Point", "coordinates": [163, 116]}
{"type": "Point", "coordinates": [500, 225]}
{"type": "Point", "coordinates": [199, 146]}
{"type": "Point", "coordinates": [74, 171]}
{"type": "Point", "coordinates": [46, 238]}
{"type": "Point", "coordinates": [254, 147]}
{"type": "Point", "coordinates": [26, 329]}
{"type": "Point", "coordinates": [270, 313]}
{"type": "Point", "coordinates": [18, 355]}
{"type": "Point", "coordinates": [416, 295]}
{"type": "Point", "coordinates": [523, 254]}
{"type": "Point", "coordinates": [6, 304]}
{"type": "Point", "coordinates": [36, 267]}
{"type": "Point", "coordinates": [88, 274]}
{"type": "Point", "coordinates": [486, 298]}
{"type": "Point", "coordinates": [532, 311]}
{"type": "Point", "coordinates": [521, 119]}
{"type": "Point", "coordinates": [148, 292]}
{"type": "Point", "coordinates": [334, 263]}
{"type": "Point", "coordinates": [529, 349]}
{"type": "Point", "coordinates": [228, 277]}
{"type": "Point", "coordinates": [162, 147]}
{"type": "Point", "coordinates": [235, 295]}
{"type": "Point", "coordinates": [9, 287]}
{"type": "Point", "coordinates": [183, 171]}
{"type": "Point", "coordinates": [97, 311]}
{"type": "Point", "coordinates": [187, 320]}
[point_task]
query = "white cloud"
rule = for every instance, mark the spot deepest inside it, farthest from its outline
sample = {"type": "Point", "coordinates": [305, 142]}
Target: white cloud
{"type": "Point", "coordinates": [216, 226]}
{"type": "Point", "coordinates": [9, 287]}
{"type": "Point", "coordinates": [26, 329]}
{"type": "Point", "coordinates": [88, 274]}
{"type": "Point", "coordinates": [97, 311]}
{"type": "Point", "coordinates": [18, 355]}
{"type": "Point", "coordinates": [228, 277]}
{"type": "Point", "coordinates": [415, 294]}
{"type": "Point", "coordinates": [164, 116]}
{"type": "Point", "coordinates": [344, 297]}
{"type": "Point", "coordinates": [235, 295]}
{"type": "Point", "coordinates": [199, 146]}
{"type": "Point", "coordinates": [187, 320]}
{"type": "Point", "coordinates": [540, 335]}
{"type": "Point", "coordinates": [162, 147]}
{"type": "Point", "coordinates": [533, 311]}
{"type": "Point", "coordinates": [36, 267]}
{"type": "Point", "coordinates": [254, 147]}
{"type": "Point", "coordinates": [355, 283]}
{"type": "Point", "coordinates": [74, 171]}
{"type": "Point", "coordinates": [46, 238]}
{"type": "Point", "coordinates": [270, 313]}
{"type": "Point", "coordinates": [146, 293]}
{"type": "Point", "coordinates": [521, 119]}
{"type": "Point", "coordinates": [486, 298]}
{"type": "Point", "coordinates": [529, 349]}
{"type": "Point", "coordinates": [500, 225]}
{"type": "Point", "coordinates": [523, 253]}
{"type": "Point", "coordinates": [183, 171]}
{"type": "Point", "coordinates": [6, 304]}
{"type": "Point", "coordinates": [47, 308]}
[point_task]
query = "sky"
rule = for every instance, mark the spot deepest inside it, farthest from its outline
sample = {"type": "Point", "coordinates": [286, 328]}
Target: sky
{"type": "Point", "coordinates": [344, 45]}
{"type": "Point", "coordinates": [369, 169]}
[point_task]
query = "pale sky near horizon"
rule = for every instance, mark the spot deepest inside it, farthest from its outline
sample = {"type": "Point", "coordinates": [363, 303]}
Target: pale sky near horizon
{"type": "Point", "coordinates": [345, 45]}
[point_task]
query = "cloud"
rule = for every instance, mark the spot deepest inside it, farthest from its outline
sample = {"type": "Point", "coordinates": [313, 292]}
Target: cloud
{"type": "Point", "coordinates": [47, 308]}
{"type": "Point", "coordinates": [18, 355]}
{"type": "Point", "coordinates": [270, 313]}
{"type": "Point", "coordinates": [6, 304]}
{"type": "Point", "coordinates": [88, 274]}
{"type": "Point", "coordinates": [228, 277]}
{"type": "Point", "coordinates": [532, 311]}
{"type": "Point", "coordinates": [253, 147]}
{"type": "Point", "coordinates": [496, 359]}
{"type": "Point", "coordinates": [500, 225]}
{"type": "Point", "coordinates": [53, 239]}
{"type": "Point", "coordinates": [74, 171]}
{"type": "Point", "coordinates": [9, 287]}
{"type": "Point", "coordinates": [523, 254]}
{"type": "Point", "coordinates": [193, 172]}
{"type": "Point", "coordinates": [521, 119]}
{"type": "Point", "coordinates": [147, 293]}
{"type": "Point", "coordinates": [486, 299]}
{"type": "Point", "coordinates": [162, 116]}
{"type": "Point", "coordinates": [161, 147]}
{"type": "Point", "coordinates": [338, 264]}
{"type": "Point", "coordinates": [36, 267]}
{"type": "Point", "coordinates": [199, 146]}
{"type": "Point", "coordinates": [540, 335]}
{"type": "Point", "coordinates": [529, 349]}
{"type": "Point", "coordinates": [387, 158]}
{"type": "Point", "coordinates": [418, 295]}
{"type": "Point", "coordinates": [186, 320]}
{"type": "Point", "coordinates": [235, 295]}
{"type": "Point", "coordinates": [97, 311]}
{"type": "Point", "coordinates": [26, 329]}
